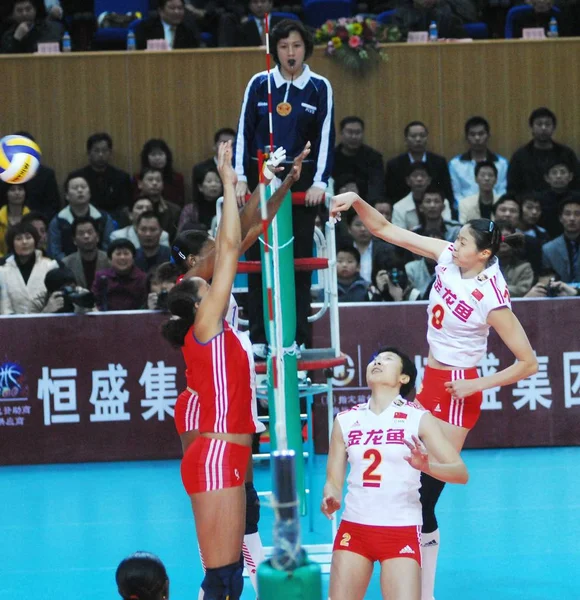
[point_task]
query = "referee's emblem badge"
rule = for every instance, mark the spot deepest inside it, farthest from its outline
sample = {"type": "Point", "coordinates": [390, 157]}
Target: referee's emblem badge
{"type": "Point", "coordinates": [284, 109]}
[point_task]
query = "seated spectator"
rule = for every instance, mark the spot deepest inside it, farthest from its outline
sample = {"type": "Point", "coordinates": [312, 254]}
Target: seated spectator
{"type": "Point", "coordinates": [397, 169]}
{"type": "Point", "coordinates": [22, 276]}
{"type": "Point", "coordinates": [388, 281]}
{"type": "Point", "coordinates": [518, 272]}
{"type": "Point", "coordinates": [352, 156]}
{"type": "Point", "coordinates": [88, 259]}
{"type": "Point", "coordinates": [40, 223]}
{"type": "Point", "coordinates": [42, 193]}
{"type": "Point", "coordinates": [151, 186]}
{"type": "Point", "coordinates": [151, 253]}
{"type": "Point", "coordinates": [123, 286]}
{"type": "Point", "coordinates": [210, 189]}
{"type": "Point", "coordinates": [562, 255]}
{"type": "Point", "coordinates": [63, 295]}
{"type": "Point", "coordinates": [30, 28]}
{"type": "Point", "coordinates": [548, 287]}
{"type": "Point", "coordinates": [156, 154]}
{"type": "Point", "coordinates": [416, 15]}
{"type": "Point", "coordinates": [250, 30]}
{"type": "Point", "coordinates": [530, 162]}
{"type": "Point", "coordinates": [161, 282]}
{"type": "Point", "coordinates": [479, 205]}
{"type": "Point", "coordinates": [531, 214]}
{"type": "Point", "coordinates": [110, 187]}
{"type": "Point", "coordinates": [540, 16]}
{"type": "Point", "coordinates": [462, 167]}
{"type": "Point", "coordinates": [171, 25]}
{"type": "Point", "coordinates": [405, 210]}
{"type": "Point", "coordinates": [80, 18]}
{"type": "Point", "coordinates": [78, 196]}
{"type": "Point", "coordinates": [431, 218]}
{"type": "Point", "coordinates": [421, 274]}
{"type": "Point", "coordinates": [140, 206]}
{"type": "Point", "coordinates": [559, 177]}
{"type": "Point", "coordinates": [385, 208]}
{"type": "Point", "coordinates": [12, 199]}
{"type": "Point", "coordinates": [225, 134]}
{"type": "Point", "coordinates": [142, 571]}
{"type": "Point", "coordinates": [352, 287]}
{"type": "Point", "coordinates": [219, 18]}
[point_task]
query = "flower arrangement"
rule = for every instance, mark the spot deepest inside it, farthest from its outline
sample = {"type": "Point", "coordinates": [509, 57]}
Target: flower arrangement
{"type": "Point", "coordinates": [356, 42]}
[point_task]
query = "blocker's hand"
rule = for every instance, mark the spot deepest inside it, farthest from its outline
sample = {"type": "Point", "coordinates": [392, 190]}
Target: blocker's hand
{"type": "Point", "coordinates": [342, 203]}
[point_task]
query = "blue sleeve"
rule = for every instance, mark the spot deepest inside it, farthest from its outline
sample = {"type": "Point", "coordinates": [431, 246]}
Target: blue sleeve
{"type": "Point", "coordinates": [54, 245]}
{"type": "Point", "coordinates": [455, 180]}
{"type": "Point", "coordinates": [323, 148]}
{"type": "Point", "coordinates": [246, 129]}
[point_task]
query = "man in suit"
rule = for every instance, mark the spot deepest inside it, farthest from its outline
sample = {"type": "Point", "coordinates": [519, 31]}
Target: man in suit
{"type": "Point", "coordinates": [252, 30]}
{"type": "Point", "coordinates": [416, 134]}
{"type": "Point", "coordinates": [173, 25]}
{"type": "Point", "coordinates": [562, 255]}
{"type": "Point", "coordinates": [88, 259]}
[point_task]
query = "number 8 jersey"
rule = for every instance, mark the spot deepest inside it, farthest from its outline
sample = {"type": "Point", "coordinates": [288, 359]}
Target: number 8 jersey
{"type": "Point", "coordinates": [383, 488]}
{"type": "Point", "coordinates": [458, 309]}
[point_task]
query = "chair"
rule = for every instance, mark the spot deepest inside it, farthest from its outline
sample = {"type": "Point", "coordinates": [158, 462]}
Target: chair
{"type": "Point", "coordinates": [316, 12]}
{"type": "Point", "coordinates": [118, 35]}
{"type": "Point", "coordinates": [476, 31]}
{"type": "Point", "coordinates": [386, 18]}
{"type": "Point", "coordinates": [509, 22]}
{"type": "Point", "coordinates": [285, 15]}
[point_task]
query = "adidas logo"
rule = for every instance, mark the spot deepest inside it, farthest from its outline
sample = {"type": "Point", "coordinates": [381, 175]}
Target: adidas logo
{"type": "Point", "coordinates": [431, 543]}
{"type": "Point", "coordinates": [407, 550]}
{"type": "Point", "coordinates": [437, 408]}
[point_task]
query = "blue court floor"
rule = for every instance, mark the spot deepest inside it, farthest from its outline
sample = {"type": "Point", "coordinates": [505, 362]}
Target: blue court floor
{"type": "Point", "coordinates": [512, 533]}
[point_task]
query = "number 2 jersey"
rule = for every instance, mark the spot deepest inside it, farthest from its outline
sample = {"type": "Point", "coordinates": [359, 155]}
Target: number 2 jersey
{"type": "Point", "coordinates": [383, 488]}
{"type": "Point", "coordinates": [458, 309]}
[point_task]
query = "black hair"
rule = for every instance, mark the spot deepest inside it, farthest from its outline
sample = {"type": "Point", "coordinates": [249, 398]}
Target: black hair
{"type": "Point", "coordinates": [158, 144]}
{"type": "Point", "coordinates": [570, 199]}
{"type": "Point", "coordinates": [282, 30]}
{"type": "Point", "coordinates": [502, 199]}
{"type": "Point", "coordinates": [56, 279]}
{"type": "Point", "coordinates": [99, 137]}
{"type": "Point", "coordinates": [222, 131]}
{"type": "Point", "coordinates": [147, 169]}
{"type": "Point", "coordinates": [417, 166]}
{"type": "Point", "coordinates": [166, 272]}
{"type": "Point", "coordinates": [72, 176]}
{"type": "Point", "coordinates": [142, 575]}
{"type": "Point", "coordinates": [188, 242]}
{"type": "Point", "coordinates": [83, 221]}
{"type": "Point", "coordinates": [5, 188]}
{"type": "Point", "coordinates": [514, 239]}
{"type": "Point", "coordinates": [485, 163]}
{"type": "Point", "coordinates": [414, 124]}
{"type": "Point", "coordinates": [121, 244]}
{"type": "Point", "coordinates": [35, 215]}
{"type": "Point", "coordinates": [541, 113]}
{"type": "Point", "coordinates": [140, 197]}
{"type": "Point", "coordinates": [162, 3]}
{"type": "Point", "coordinates": [20, 229]}
{"type": "Point", "coordinates": [557, 162]}
{"type": "Point", "coordinates": [352, 119]}
{"type": "Point", "coordinates": [38, 6]}
{"type": "Point", "coordinates": [487, 236]}
{"type": "Point", "coordinates": [476, 122]}
{"type": "Point", "coordinates": [351, 215]}
{"type": "Point", "coordinates": [408, 368]}
{"type": "Point", "coordinates": [181, 302]}
{"type": "Point", "coordinates": [148, 214]}
{"type": "Point", "coordinates": [528, 195]}
{"type": "Point", "coordinates": [343, 179]}
{"type": "Point", "coordinates": [350, 249]}
{"type": "Point", "coordinates": [433, 188]}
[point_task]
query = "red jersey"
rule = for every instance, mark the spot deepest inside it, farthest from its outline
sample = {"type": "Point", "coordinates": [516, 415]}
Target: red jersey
{"type": "Point", "coordinates": [220, 372]}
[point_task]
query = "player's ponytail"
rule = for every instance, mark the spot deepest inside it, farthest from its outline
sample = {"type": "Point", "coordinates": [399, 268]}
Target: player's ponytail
{"type": "Point", "coordinates": [513, 239]}
{"type": "Point", "coordinates": [181, 302]}
{"type": "Point", "coordinates": [142, 576]}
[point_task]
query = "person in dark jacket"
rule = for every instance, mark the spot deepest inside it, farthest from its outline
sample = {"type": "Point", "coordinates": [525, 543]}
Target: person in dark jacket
{"type": "Point", "coordinates": [351, 286]}
{"type": "Point", "coordinates": [173, 25]}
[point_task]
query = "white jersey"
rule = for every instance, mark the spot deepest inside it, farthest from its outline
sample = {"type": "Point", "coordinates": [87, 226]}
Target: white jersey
{"type": "Point", "coordinates": [458, 309]}
{"type": "Point", "coordinates": [383, 488]}
{"type": "Point", "coordinates": [233, 316]}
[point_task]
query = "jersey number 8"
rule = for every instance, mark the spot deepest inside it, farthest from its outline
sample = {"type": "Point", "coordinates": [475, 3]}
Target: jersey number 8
{"type": "Point", "coordinates": [370, 478]}
{"type": "Point", "coordinates": [438, 313]}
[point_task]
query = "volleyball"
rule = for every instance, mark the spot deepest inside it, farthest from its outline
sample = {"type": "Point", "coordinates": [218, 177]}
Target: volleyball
{"type": "Point", "coordinates": [19, 159]}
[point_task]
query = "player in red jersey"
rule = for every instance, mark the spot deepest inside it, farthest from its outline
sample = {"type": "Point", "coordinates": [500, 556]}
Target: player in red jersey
{"type": "Point", "coordinates": [218, 368]}
{"type": "Point", "coordinates": [469, 297]}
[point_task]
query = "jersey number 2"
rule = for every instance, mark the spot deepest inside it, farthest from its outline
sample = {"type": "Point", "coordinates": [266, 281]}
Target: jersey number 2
{"type": "Point", "coordinates": [370, 478]}
{"type": "Point", "coordinates": [438, 313]}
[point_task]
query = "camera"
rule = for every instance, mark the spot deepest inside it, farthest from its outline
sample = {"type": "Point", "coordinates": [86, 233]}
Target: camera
{"type": "Point", "coordinates": [162, 300]}
{"type": "Point", "coordinates": [552, 289]}
{"type": "Point", "coordinates": [72, 298]}
{"type": "Point", "coordinates": [398, 277]}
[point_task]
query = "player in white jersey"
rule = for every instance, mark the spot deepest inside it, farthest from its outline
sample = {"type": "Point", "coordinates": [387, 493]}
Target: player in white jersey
{"type": "Point", "coordinates": [468, 297]}
{"type": "Point", "coordinates": [382, 516]}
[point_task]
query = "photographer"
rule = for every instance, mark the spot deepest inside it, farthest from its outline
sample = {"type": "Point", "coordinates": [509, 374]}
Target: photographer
{"type": "Point", "coordinates": [161, 281]}
{"type": "Point", "coordinates": [388, 282]}
{"type": "Point", "coordinates": [548, 287]}
{"type": "Point", "coordinates": [63, 295]}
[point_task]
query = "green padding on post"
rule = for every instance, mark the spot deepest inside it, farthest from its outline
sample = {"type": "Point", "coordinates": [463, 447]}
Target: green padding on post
{"type": "Point", "coordinates": [288, 301]}
{"type": "Point", "coordinates": [304, 583]}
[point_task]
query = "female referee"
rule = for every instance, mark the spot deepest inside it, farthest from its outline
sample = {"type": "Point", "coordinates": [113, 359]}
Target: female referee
{"type": "Point", "coordinates": [382, 518]}
{"type": "Point", "coordinates": [468, 297]}
{"type": "Point", "coordinates": [218, 360]}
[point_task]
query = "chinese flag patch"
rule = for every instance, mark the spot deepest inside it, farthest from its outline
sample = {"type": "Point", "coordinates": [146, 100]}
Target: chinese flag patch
{"type": "Point", "coordinates": [400, 415]}
{"type": "Point", "coordinates": [477, 294]}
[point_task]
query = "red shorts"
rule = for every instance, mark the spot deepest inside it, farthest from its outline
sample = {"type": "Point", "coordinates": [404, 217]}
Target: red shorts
{"type": "Point", "coordinates": [432, 395]}
{"type": "Point", "coordinates": [210, 464]}
{"type": "Point", "coordinates": [379, 543]}
{"type": "Point", "coordinates": [187, 411]}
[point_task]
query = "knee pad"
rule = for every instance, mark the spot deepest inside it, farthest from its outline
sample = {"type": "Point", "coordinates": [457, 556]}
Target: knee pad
{"type": "Point", "coordinates": [252, 509]}
{"type": "Point", "coordinates": [430, 491]}
{"type": "Point", "coordinates": [223, 582]}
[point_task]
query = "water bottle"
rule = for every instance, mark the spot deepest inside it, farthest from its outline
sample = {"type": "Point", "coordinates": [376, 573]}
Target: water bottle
{"type": "Point", "coordinates": [131, 41]}
{"type": "Point", "coordinates": [433, 34]}
{"type": "Point", "coordinates": [66, 45]}
{"type": "Point", "coordinates": [553, 28]}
